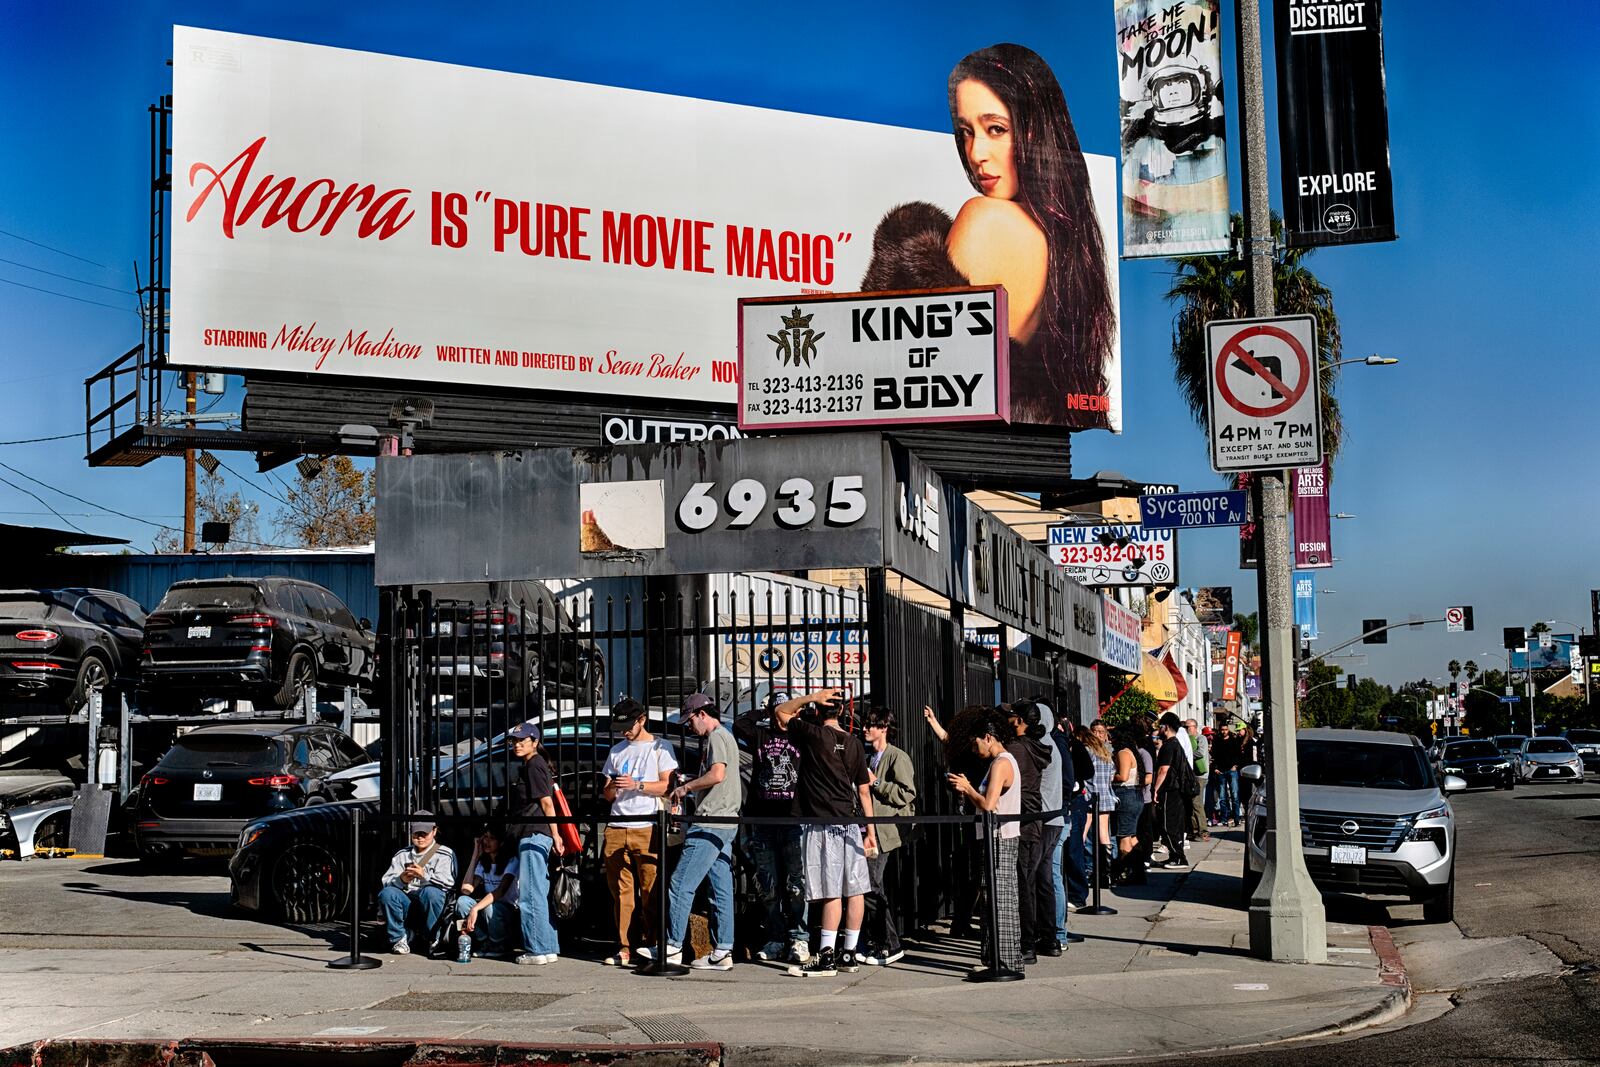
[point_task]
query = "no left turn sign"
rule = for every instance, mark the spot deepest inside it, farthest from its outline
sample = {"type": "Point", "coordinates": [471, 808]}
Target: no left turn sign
{"type": "Point", "coordinates": [1262, 400]}
{"type": "Point", "coordinates": [1455, 620]}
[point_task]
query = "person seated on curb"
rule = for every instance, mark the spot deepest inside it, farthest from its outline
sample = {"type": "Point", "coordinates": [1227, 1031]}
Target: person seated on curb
{"type": "Point", "coordinates": [412, 897]}
{"type": "Point", "coordinates": [488, 901]}
{"type": "Point", "coordinates": [707, 847]}
{"type": "Point", "coordinates": [637, 774]}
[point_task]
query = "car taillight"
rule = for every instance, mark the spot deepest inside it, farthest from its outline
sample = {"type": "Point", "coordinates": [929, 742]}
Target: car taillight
{"type": "Point", "coordinates": [276, 781]}
{"type": "Point", "coordinates": [264, 621]}
{"type": "Point", "coordinates": [151, 779]}
{"type": "Point", "coordinates": [260, 648]}
{"type": "Point", "coordinates": [37, 635]}
{"type": "Point", "coordinates": [495, 618]}
{"type": "Point", "coordinates": [32, 665]}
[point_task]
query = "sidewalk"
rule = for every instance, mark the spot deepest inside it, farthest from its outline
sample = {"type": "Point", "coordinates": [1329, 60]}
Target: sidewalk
{"type": "Point", "coordinates": [1170, 973]}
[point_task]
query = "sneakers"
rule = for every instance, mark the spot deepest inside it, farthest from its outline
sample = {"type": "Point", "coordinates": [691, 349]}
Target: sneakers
{"type": "Point", "coordinates": [1048, 948]}
{"type": "Point", "coordinates": [401, 947]}
{"type": "Point", "coordinates": [674, 955]}
{"type": "Point", "coordinates": [535, 959]}
{"type": "Point", "coordinates": [1174, 865]}
{"type": "Point", "coordinates": [799, 952]}
{"type": "Point", "coordinates": [848, 961]}
{"type": "Point", "coordinates": [879, 958]}
{"type": "Point", "coordinates": [822, 965]}
{"type": "Point", "coordinates": [772, 950]}
{"type": "Point", "coordinates": [717, 961]}
{"type": "Point", "coordinates": [620, 958]}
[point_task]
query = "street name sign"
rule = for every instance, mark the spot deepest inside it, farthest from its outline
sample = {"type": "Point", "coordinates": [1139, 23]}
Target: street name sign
{"type": "Point", "coordinates": [1262, 410]}
{"type": "Point", "coordinates": [1177, 511]}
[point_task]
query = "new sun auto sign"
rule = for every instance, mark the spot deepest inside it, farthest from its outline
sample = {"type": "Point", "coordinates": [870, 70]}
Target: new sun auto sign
{"type": "Point", "coordinates": [1262, 398]}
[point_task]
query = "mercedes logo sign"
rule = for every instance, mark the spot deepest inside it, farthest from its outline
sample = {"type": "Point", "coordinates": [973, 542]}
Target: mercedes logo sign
{"type": "Point", "coordinates": [1349, 827]}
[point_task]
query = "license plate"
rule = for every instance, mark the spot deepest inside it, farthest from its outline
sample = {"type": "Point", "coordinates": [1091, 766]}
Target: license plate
{"type": "Point", "coordinates": [444, 629]}
{"type": "Point", "coordinates": [1355, 855]}
{"type": "Point", "coordinates": [208, 792]}
{"type": "Point", "coordinates": [199, 631]}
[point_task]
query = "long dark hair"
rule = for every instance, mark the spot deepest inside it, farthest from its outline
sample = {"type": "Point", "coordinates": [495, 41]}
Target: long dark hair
{"type": "Point", "coordinates": [1079, 321]}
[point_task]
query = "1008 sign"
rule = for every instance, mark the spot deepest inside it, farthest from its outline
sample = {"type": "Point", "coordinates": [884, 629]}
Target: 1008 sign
{"type": "Point", "coordinates": [873, 359]}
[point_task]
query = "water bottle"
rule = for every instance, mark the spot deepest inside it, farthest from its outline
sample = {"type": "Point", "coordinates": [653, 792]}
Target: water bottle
{"type": "Point", "coordinates": [464, 948]}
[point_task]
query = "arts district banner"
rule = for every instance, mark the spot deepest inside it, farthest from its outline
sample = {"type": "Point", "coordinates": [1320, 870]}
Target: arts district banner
{"type": "Point", "coordinates": [1174, 149]}
{"type": "Point", "coordinates": [1333, 122]}
{"type": "Point", "coordinates": [1313, 535]}
{"type": "Point", "coordinates": [350, 214]}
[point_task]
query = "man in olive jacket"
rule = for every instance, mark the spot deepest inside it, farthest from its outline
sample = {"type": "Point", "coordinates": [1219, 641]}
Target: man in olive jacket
{"type": "Point", "coordinates": [894, 792]}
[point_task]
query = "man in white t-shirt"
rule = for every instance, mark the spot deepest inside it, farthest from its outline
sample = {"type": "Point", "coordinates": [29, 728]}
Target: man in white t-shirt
{"type": "Point", "coordinates": [638, 774]}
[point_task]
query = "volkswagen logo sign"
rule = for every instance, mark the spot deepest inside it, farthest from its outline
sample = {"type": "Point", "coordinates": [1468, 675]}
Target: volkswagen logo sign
{"type": "Point", "coordinates": [1349, 827]}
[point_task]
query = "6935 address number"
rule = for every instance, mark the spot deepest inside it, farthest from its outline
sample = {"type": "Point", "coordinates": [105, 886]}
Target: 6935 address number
{"type": "Point", "coordinates": [795, 503]}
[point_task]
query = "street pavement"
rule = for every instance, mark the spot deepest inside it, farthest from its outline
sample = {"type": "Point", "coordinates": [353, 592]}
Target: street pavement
{"type": "Point", "coordinates": [98, 949]}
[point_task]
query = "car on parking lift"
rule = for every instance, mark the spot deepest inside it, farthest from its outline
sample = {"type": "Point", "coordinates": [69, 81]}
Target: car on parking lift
{"type": "Point", "coordinates": [1374, 819]}
{"type": "Point", "coordinates": [35, 813]}
{"type": "Point", "coordinates": [1587, 745]}
{"type": "Point", "coordinates": [215, 779]}
{"type": "Point", "coordinates": [1546, 759]}
{"type": "Point", "coordinates": [58, 645]}
{"type": "Point", "coordinates": [1476, 762]}
{"type": "Point", "coordinates": [265, 639]}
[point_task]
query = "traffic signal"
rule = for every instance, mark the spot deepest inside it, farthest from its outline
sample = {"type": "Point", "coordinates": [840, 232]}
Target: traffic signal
{"type": "Point", "coordinates": [1369, 625]}
{"type": "Point", "coordinates": [1350, 681]}
{"type": "Point", "coordinates": [1466, 617]}
{"type": "Point", "coordinates": [1455, 690]}
{"type": "Point", "coordinates": [1515, 637]}
{"type": "Point", "coordinates": [1589, 645]}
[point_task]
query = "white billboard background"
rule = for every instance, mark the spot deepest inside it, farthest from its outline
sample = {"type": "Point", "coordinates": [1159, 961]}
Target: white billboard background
{"type": "Point", "coordinates": [403, 124]}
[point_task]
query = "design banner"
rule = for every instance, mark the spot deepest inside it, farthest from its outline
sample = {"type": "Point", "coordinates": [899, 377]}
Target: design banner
{"type": "Point", "coordinates": [1174, 147]}
{"type": "Point", "coordinates": [349, 214]}
{"type": "Point", "coordinates": [1313, 536]}
{"type": "Point", "coordinates": [1333, 123]}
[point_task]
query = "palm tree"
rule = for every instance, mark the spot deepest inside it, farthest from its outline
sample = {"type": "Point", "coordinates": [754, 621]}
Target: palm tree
{"type": "Point", "coordinates": [1453, 668]}
{"type": "Point", "coordinates": [1207, 288]}
{"type": "Point", "coordinates": [1471, 667]}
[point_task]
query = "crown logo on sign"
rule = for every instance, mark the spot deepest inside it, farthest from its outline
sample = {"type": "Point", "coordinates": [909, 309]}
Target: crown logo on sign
{"type": "Point", "coordinates": [797, 321]}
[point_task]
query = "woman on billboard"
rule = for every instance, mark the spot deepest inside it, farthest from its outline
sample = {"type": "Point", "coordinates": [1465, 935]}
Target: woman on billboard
{"type": "Point", "coordinates": [1032, 229]}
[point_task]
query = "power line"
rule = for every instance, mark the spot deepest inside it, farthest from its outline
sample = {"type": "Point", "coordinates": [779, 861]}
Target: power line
{"type": "Point", "coordinates": [42, 500]}
{"type": "Point", "coordinates": [36, 440]}
{"type": "Point", "coordinates": [259, 486]}
{"type": "Point", "coordinates": [64, 277]}
{"type": "Point", "coordinates": [53, 248]}
{"type": "Point", "coordinates": [68, 296]}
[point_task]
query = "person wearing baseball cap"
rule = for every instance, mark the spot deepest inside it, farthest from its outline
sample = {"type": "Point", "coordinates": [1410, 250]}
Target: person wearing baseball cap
{"type": "Point", "coordinates": [637, 776]}
{"type": "Point", "coordinates": [707, 847]}
{"type": "Point", "coordinates": [529, 806]}
{"type": "Point", "coordinates": [412, 897]}
{"type": "Point", "coordinates": [775, 851]}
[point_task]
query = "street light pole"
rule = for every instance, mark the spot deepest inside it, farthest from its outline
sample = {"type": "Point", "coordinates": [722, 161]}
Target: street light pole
{"type": "Point", "coordinates": [1287, 921]}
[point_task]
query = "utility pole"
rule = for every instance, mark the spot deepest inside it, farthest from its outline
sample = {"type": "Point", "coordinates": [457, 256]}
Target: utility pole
{"type": "Point", "coordinates": [1287, 921]}
{"type": "Point", "coordinates": [188, 465]}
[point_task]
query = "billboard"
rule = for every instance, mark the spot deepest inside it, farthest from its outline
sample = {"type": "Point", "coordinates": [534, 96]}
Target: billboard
{"type": "Point", "coordinates": [344, 213]}
{"type": "Point", "coordinates": [1174, 139]}
{"type": "Point", "coordinates": [1313, 536]}
{"type": "Point", "coordinates": [1333, 123]}
{"type": "Point", "coordinates": [873, 360]}
{"type": "Point", "coordinates": [1213, 605]}
{"type": "Point", "coordinates": [1547, 656]}
{"type": "Point", "coordinates": [1114, 553]}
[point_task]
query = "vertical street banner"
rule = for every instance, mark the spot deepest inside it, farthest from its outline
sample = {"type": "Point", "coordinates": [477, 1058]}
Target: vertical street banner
{"type": "Point", "coordinates": [1305, 605]}
{"type": "Point", "coordinates": [1247, 532]}
{"type": "Point", "coordinates": [1174, 148]}
{"type": "Point", "coordinates": [1313, 539]}
{"type": "Point", "coordinates": [1333, 123]}
{"type": "Point", "coordinates": [1230, 666]}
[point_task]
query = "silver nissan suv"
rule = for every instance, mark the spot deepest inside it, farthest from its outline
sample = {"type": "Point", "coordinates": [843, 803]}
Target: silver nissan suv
{"type": "Point", "coordinates": [1373, 819]}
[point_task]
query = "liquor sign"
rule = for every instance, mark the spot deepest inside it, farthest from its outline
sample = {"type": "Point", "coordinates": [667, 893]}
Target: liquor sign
{"type": "Point", "coordinates": [1174, 137]}
{"type": "Point", "coordinates": [1114, 553]}
{"type": "Point", "coordinates": [865, 359]}
{"type": "Point", "coordinates": [1333, 123]}
{"type": "Point", "coordinates": [1263, 406]}
{"type": "Point", "coordinates": [1230, 666]}
{"type": "Point", "coordinates": [1313, 536]}
{"type": "Point", "coordinates": [349, 214]}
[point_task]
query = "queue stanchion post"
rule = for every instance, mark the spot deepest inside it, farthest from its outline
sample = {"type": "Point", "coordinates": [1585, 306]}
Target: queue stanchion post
{"type": "Point", "coordinates": [1096, 908]}
{"type": "Point", "coordinates": [994, 971]}
{"type": "Point", "coordinates": [355, 961]}
{"type": "Point", "coordinates": [661, 966]}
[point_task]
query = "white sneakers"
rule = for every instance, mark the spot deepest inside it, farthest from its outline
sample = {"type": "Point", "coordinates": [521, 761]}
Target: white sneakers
{"type": "Point", "coordinates": [674, 955]}
{"type": "Point", "coordinates": [401, 947]}
{"type": "Point", "coordinates": [772, 950]}
{"type": "Point", "coordinates": [717, 961]}
{"type": "Point", "coordinates": [799, 952]}
{"type": "Point", "coordinates": [535, 959]}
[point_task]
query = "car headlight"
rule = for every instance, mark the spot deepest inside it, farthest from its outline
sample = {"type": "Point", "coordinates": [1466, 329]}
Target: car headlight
{"type": "Point", "coordinates": [1453, 770]}
{"type": "Point", "coordinates": [250, 834]}
{"type": "Point", "coordinates": [1441, 812]}
{"type": "Point", "coordinates": [1506, 766]}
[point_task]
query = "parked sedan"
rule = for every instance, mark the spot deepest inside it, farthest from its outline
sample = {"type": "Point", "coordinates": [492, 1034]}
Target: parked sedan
{"type": "Point", "coordinates": [1478, 763]}
{"type": "Point", "coordinates": [1546, 758]}
{"type": "Point", "coordinates": [58, 645]}
{"type": "Point", "coordinates": [214, 780]}
{"type": "Point", "coordinates": [1587, 742]}
{"type": "Point", "coordinates": [265, 639]}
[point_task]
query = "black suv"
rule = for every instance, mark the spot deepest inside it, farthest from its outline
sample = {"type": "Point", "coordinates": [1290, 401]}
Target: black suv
{"type": "Point", "coordinates": [215, 779]}
{"type": "Point", "coordinates": [58, 644]}
{"type": "Point", "coordinates": [266, 639]}
{"type": "Point", "coordinates": [1477, 762]}
{"type": "Point", "coordinates": [490, 642]}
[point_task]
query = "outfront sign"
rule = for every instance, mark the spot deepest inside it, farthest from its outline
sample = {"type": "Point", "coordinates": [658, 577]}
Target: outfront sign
{"type": "Point", "coordinates": [1114, 554]}
{"type": "Point", "coordinates": [1177, 511]}
{"type": "Point", "coordinates": [1262, 401]}
{"type": "Point", "coordinates": [341, 213]}
{"type": "Point", "coordinates": [873, 359]}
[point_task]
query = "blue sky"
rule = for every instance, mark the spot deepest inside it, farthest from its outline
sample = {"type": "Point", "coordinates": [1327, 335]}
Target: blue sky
{"type": "Point", "coordinates": [1470, 465]}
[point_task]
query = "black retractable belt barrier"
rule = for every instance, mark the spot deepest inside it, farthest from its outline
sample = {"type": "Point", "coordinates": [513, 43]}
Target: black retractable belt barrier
{"type": "Point", "coordinates": [355, 961]}
{"type": "Point", "coordinates": [661, 966]}
{"type": "Point", "coordinates": [1096, 908]}
{"type": "Point", "coordinates": [995, 971]}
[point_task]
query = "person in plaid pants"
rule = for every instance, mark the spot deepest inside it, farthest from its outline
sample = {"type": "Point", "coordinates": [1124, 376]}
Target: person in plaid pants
{"type": "Point", "coordinates": [999, 792]}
